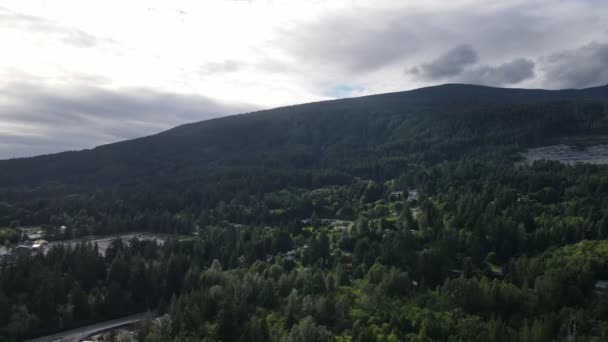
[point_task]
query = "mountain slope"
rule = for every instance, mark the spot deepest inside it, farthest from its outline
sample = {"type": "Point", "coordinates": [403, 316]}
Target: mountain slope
{"type": "Point", "coordinates": [342, 138]}
{"type": "Point", "coordinates": [281, 221]}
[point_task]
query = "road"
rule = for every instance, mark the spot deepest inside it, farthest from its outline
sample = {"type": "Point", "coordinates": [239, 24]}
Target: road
{"type": "Point", "coordinates": [78, 334]}
{"type": "Point", "coordinates": [103, 242]}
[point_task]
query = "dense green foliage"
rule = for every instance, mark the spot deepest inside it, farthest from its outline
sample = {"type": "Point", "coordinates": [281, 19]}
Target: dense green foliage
{"type": "Point", "coordinates": [296, 225]}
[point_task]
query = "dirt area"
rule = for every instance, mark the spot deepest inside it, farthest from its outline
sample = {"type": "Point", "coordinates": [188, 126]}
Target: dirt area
{"type": "Point", "coordinates": [596, 154]}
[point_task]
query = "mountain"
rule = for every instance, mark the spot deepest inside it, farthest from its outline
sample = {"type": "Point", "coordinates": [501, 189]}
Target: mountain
{"type": "Point", "coordinates": [395, 217]}
{"type": "Point", "coordinates": [372, 136]}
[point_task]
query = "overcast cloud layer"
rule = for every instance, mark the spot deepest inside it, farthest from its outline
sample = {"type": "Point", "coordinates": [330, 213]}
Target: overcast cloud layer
{"type": "Point", "coordinates": [77, 74]}
{"type": "Point", "coordinates": [47, 120]}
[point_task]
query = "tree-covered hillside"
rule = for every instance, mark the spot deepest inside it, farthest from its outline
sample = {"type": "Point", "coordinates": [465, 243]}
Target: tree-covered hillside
{"type": "Point", "coordinates": [373, 136]}
{"type": "Point", "coordinates": [396, 217]}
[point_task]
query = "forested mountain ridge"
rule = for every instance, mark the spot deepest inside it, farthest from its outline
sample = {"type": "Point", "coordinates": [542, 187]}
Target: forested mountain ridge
{"type": "Point", "coordinates": [395, 217]}
{"type": "Point", "coordinates": [349, 137]}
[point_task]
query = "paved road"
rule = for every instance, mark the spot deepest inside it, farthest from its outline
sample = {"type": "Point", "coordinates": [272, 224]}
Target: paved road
{"type": "Point", "coordinates": [80, 333]}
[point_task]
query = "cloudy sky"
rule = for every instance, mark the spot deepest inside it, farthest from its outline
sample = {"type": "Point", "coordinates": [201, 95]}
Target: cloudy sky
{"type": "Point", "coordinates": [77, 74]}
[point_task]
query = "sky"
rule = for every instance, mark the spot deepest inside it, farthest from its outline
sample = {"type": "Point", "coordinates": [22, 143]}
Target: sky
{"type": "Point", "coordinates": [77, 74]}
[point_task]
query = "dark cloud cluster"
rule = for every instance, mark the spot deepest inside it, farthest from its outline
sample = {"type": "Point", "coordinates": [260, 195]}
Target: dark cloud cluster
{"type": "Point", "coordinates": [459, 65]}
{"type": "Point", "coordinates": [513, 72]}
{"type": "Point", "coordinates": [586, 66]}
{"type": "Point", "coordinates": [57, 120]}
{"type": "Point", "coordinates": [364, 43]}
{"type": "Point", "coordinates": [448, 64]}
{"type": "Point", "coordinates": [508, 42]}
{"type": "Point", "coordinates": [582, 67]}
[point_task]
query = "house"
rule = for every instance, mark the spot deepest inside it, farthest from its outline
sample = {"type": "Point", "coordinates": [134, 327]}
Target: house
{"type": "Point", "coordinates": [39, 244]}
{"type": "Point", "coordinates": [412, 195]}
{"type": "Point", "coordinates": [396, 195]}
{"type": "Point", "coordinates": [22, 250]}
{"type": "Point", "coordinates": [28, 247]}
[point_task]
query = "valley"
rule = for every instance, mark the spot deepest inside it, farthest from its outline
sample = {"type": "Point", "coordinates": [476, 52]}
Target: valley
{"type": "Point", "coordinates": [397, 217]}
